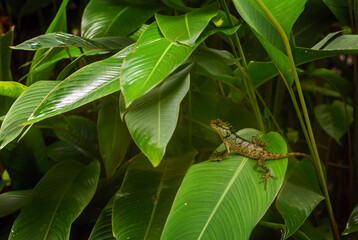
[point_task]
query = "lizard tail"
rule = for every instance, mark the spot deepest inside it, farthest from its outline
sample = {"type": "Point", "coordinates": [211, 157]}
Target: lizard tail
{"type": "Point", "coordinates": [285, 155]}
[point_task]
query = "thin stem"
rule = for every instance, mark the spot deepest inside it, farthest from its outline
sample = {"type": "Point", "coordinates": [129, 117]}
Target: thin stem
{"type": "Point", "coordinates": [245, 77]}
{"type": "Point", "coordinates": [270, 113]}
{"type": "Point", "coordinates": [316, 158]}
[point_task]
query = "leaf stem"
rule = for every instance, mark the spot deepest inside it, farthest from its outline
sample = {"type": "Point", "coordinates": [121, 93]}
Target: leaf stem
{"type": "Point", "coordinates": [245, 76]}
{"type": "Point", "coordinates": [316, 158]}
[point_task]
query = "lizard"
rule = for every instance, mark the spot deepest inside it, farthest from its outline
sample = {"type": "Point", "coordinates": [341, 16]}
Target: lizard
{"type": "Point", "coordinates": [251, 149]}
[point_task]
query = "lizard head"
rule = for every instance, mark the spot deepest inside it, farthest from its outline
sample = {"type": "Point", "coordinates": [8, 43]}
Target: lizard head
{"type": "Point", "coordinates": [222, 128]}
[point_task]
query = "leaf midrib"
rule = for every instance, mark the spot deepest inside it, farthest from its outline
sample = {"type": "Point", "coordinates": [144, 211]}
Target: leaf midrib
{"type": "Point", "coordinates": [60, 201]}
{"type": "Point", "coordinates": [221, 199]}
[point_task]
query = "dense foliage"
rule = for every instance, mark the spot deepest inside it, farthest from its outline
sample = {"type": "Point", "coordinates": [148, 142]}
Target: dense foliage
{"type": "Point", "coordinates": [105, 108]}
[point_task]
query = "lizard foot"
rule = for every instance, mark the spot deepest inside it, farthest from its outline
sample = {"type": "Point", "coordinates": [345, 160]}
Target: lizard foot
{"type": "Point", "coordinates": [264, 178]}
{"type": "Point", "coordinates": [215, 158]}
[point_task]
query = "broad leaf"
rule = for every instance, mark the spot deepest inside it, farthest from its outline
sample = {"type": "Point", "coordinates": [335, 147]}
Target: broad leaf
{"type": "Point", "coordinates": [216, 62]}
{"type": "Point", "coordinates": [87, 84]}
{"type": "Point", "coordinates": [57, 200]}
{"type": "Point", "coordinates": [186, 28]}
{"type": "Point", "coordinates": [152, 118]}
{"type": "Point", "coordinates": [153, 59]}
{"type": "Point", "coordinates": [78, 131]}
{"type": "Point", "coordinates": [340, 9]}
{"type": "Point", "coordinates": [62, 39]}
{"type": "Point", "coordinates": [334, 119]}
{"type": "Point", "coordinates": [224, 200]}
{"type": "Point", "coordinates": [345, 44]}
{"type": "Point", "coordinates": [260, 72]}
{"type": "Point", "coordinates": [298, 197]}
{"type": "Point", "coordinates": [102, 230]}
{"type": "Point", "coordinates": [143, 202]}
{"type": "Point", "coordinates": [21, 110]}
{"type": "Point", "coordinates": [342, 85]}
{"type": "Point", "coordinates": [258, 22]}
{"type": "Point", "coordinates": [286, 13]}
{"type": "Point", "coordinates": [13, 201]}
{"type": "Point", "coordinates": [11, 89]}
{"type": "Point", "coordinates": [113, 137]}
{"type": "Point", "coordinates": [304, 55]}
{"type": "Point", "coordinates": [103, 18]}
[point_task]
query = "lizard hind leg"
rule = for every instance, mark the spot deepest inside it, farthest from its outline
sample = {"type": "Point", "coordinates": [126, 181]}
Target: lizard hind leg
{"type": "Point", "coordinates": [218, 156]}
{"type": "Point", "coordinates": [267, 173]}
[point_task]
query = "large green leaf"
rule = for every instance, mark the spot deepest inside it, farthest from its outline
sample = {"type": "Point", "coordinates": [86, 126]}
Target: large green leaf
{"type": "Point", "coordinates": [102, 230]}
{"type": "Point", "coordinates": [143, 202]}
{"type": "Point", "coordinates": [342, 85]}
{"type": "Point", "coordinates": [78, 131]}
{"type": "Point", "coordinates": [61, 39]}
{"type": "Point", "coordinates": [87, 84]}
{"type": "Point", "coordinates": [224, 200]}
{"type": "Point", "coordinates": [13, 201]}
{"type": "Point", "coordinates": [186, 28]}
{"type": "Point", "coordinates": [5, 58]}
{"type": "Point", "coordinates": [300, 194]}
{"type": "Point", "coordinates": [152, 118]}
{"type": "Point", "coordinates": [21, 110]}
{"type": "Point", "coordinates": [334, 119]}
{"type": "Point", "coordinates": [11, 88]}
{"type": "Point", "coordinates": [57, 200]}
{"type": "Point", "coordinates": [260, 72]}
{"type": "Point", "coordinates": [216, 62]}
{"type": "Point", "coordinates": [340, 9]}
{"type": "Point", "coordinates": [153, 59]}
{"type": "Point", "coordinates": [103, 18]}
{"type": "Point", "coordinates": [258, 22]}
{"type": "Point", "coordinates": [286, 13]}
{"type": "Point", "coordinates": [113, 137]}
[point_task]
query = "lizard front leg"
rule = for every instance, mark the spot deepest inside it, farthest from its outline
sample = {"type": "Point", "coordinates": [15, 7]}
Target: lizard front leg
{"type": "Point", "coordinates": [267, 173]}
{"type": "Point", "coordinates": [218, 156]}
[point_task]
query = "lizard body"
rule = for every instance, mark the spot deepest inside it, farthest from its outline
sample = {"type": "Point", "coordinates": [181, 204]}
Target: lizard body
{"type": "Point", "coordinates": [246, 148]}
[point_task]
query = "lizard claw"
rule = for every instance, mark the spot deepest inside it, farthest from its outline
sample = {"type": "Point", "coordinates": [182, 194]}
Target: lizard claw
{"type": "Point", "coordinates": [216, 156]}
{"type": "Point", "coordinates": [215, 159]}
{"type": "Point", "coordinates": [264, 178]}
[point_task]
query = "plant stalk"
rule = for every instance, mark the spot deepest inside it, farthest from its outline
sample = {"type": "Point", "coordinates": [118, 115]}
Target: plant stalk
{"type": "Point", "coordinates": [245, 77]}
{"type": "Point", "coordinates": [316, 158]}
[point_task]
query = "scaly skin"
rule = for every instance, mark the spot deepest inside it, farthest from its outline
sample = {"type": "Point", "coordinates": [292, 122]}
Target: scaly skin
{"type": "Point", "coordinates": [245, 148]}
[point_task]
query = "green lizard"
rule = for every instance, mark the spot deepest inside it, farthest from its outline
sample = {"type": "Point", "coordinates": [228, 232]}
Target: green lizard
{"type": "Point", "coordinates": [246, 148]}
